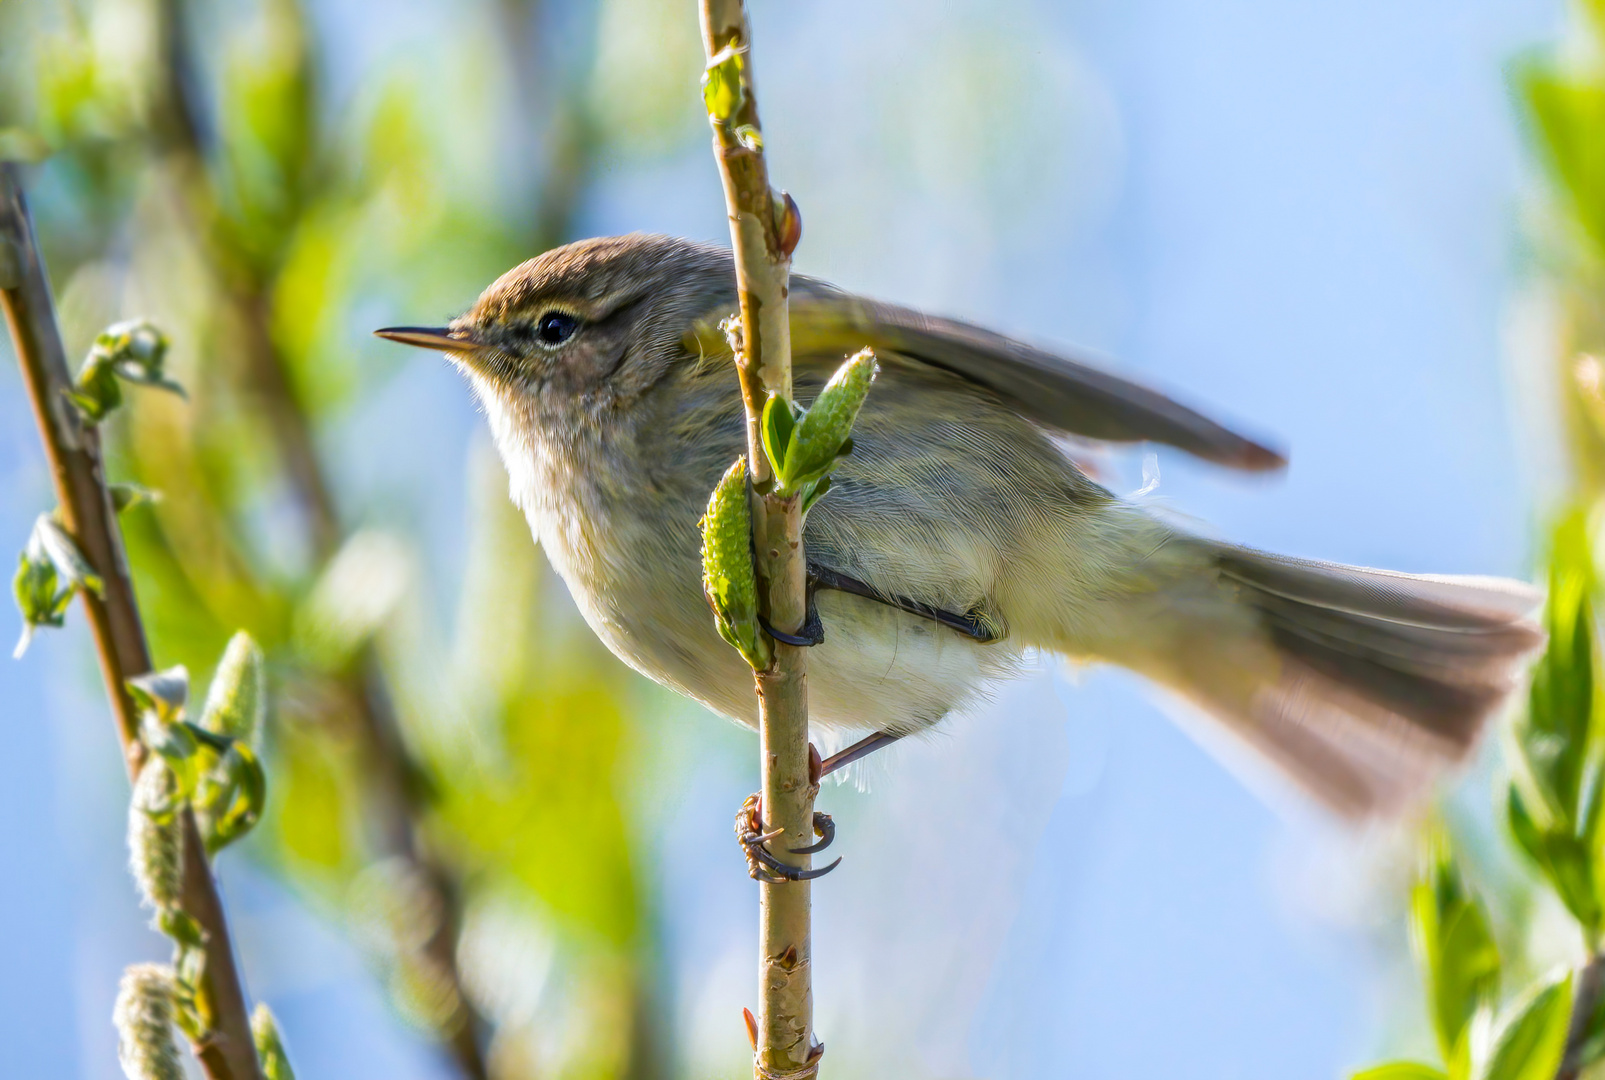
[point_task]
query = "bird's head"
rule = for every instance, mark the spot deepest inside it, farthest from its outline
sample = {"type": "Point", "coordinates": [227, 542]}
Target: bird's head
{"type": "Point", "coordinates": [596, 322]}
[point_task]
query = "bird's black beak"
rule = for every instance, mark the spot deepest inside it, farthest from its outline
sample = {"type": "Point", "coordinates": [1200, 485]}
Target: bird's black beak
{"type": "Point", "coordinates": [430, 337]}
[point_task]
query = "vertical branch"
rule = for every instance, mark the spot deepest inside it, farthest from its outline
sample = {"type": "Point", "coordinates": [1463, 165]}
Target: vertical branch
{"type": "Point", "coordinates": [77, 470]}
{"type": "Point", "coordinates": [763, 263]}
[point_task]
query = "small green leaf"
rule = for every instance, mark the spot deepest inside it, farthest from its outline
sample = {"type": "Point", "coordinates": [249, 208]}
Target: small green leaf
{"type": "Point", "coordinates": [231, 797]}
{"type": "Point", "coordinates": [181, 927]}
{"type": "Point", "coordinates": [21, 144]}
{"type": "Point", "coordinates": [728, 578]}
{"type": "Point", "coordinates": [1530, 1037]}
{"type": "Point", "coordinates": [721, 85]}
{"type": "Point", "coordinates": [269, 1048]}
{"type": "Point", "coordinates": [1523, 829]}
{"type": "Point", "coordinates": [1562, 858]}
{"type": "Point", "coordinates": [96, 392]}
{"type": "Point", "coordinates": [164, 693]}
{"type": "Point", "coordinates": [1400, 1070]}
{"type": "Point", "coordinates": [52, 540]}
{"type": "Point", "coordinates": [1553, 734]}
{"type": "Point", "coordinates": [40, 597]}
{"type": "Point", "coordinates": [189, 963]}
{"type": "Point", "coordinates": [778, 421]}
{"type": "Point", "coordinates": [1456, 946]}
{"type": "Point", "coordinates": [1567, 107]}
{"type": "Point", "coordinates": [127, 496]}
{"type": "Point", "coordinates": [812, 492]}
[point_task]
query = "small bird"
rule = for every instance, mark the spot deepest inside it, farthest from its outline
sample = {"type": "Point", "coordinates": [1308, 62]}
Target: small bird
{"type": "Point", "coordinates": [958, 534]}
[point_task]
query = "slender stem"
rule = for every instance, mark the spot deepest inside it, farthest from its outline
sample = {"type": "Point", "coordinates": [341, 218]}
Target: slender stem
{"type": "Point", "coordinates": [763, 264]}
{"type": "Point", "coordinates": [78, 471]}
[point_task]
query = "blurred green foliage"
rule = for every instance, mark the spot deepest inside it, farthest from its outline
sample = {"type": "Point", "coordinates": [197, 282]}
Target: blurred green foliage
{"type": "Point", "coordinates": [1555, 752]}
{"type": "Point", "coordinates": [194, 166]}
{"type": "Point", "coordinates": [1457, 951]}
{"type": "Point", "coordinates": [1554, 1026]}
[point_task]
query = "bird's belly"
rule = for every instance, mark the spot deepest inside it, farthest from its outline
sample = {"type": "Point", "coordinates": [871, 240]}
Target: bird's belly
{"type": "Point", "coordinates": [879, 668]}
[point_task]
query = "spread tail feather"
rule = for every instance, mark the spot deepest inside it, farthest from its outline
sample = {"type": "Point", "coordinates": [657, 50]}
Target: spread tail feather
{"type": "Point", "coordinates": [1359, 685]}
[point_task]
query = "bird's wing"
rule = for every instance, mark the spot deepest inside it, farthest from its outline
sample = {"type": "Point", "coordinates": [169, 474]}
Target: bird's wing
{"type": "Point", "coordinates": [1071, 396]}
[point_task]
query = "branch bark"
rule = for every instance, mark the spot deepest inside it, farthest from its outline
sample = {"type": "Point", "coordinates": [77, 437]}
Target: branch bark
{"type": "Point", "coordinates": [77, 471]}
{"type": "Point", "coordinates": [785, 1045]}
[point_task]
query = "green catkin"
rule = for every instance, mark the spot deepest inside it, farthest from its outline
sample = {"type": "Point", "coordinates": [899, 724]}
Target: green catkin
{"type": "Point", "coordinates": [155, 849]}
{"type": "Point", "coordinates": [144, 1019]}
{"type": "Point", "coordinates": [728, 578]}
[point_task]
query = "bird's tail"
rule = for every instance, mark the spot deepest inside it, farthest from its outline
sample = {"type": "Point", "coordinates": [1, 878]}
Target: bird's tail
{"type": "Point", "coordinates": [1359, 685]}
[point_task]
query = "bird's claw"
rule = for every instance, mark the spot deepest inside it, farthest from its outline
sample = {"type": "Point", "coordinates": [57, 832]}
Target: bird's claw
{"type": "Point", "coordinates": [812, 631]}
{"type": "Point", "coordinates": [763, 866]}
{"type": "Point", "coordinates": [825, 829]}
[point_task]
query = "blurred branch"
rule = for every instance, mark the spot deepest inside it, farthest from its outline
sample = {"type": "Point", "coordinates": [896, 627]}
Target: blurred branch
{"type": "Point", "coordinates": [1588, 990]}
{"type": "Point", "coordinates": [573, 141]}
{"type": "Point", "coordinates": [77, 469]}
{"type": "Point", "coordinates": [395, 792]}
{"type": "Point", "coordinates": [572, 138]}
{"type": "Point", "coordinates": [784, 1044]}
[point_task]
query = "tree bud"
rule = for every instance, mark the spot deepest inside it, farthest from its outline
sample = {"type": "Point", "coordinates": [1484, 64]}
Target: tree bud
{"type": "Point", "coordinates": [721, 86]}
{"type": "Point", "coordinates": [237, 698]}
{"type": "Point", "coordinates": [823, 433]}
{"type": "Point", "coordinates": [788, 222]}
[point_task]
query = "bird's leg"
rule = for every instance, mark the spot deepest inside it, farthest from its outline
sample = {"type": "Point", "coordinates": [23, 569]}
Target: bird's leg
{"type": "Point", "coordinates": [862, 748]}
{"type": "Point", "coordinates": [975, 625]}
{"type": "Point", "coordinates": [751, 835]}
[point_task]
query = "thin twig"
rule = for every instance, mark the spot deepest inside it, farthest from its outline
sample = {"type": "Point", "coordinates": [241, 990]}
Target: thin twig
{"type": "Point", "coordinates": [78, 473]}
{"type": "Point", "coordinates": [763, 263]}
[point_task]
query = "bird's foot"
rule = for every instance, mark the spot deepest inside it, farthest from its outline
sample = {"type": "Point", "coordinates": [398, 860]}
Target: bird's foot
{"type": "Point", "coordinates": [763, 866]}
{"type": "Point", "coordinates": [812, 631]}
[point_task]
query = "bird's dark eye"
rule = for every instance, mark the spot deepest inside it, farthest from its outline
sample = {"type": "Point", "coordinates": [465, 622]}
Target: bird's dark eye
{"type": "Point", "coordinates": [554, 327]}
